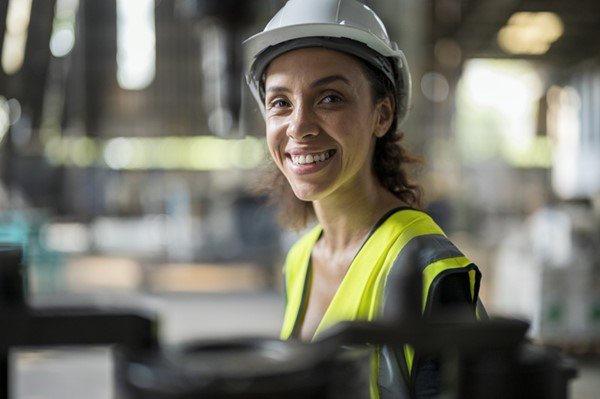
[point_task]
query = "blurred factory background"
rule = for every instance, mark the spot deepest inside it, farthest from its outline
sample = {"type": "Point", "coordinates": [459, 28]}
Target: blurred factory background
{"type": "Point", "coordinates": [129, 150]}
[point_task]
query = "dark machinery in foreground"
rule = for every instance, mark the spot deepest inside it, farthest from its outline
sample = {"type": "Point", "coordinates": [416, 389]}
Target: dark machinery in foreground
{"type": "Point", "coordinates": [21, 326]}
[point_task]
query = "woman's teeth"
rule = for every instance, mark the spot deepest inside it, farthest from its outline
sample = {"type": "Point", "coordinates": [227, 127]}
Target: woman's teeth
{"type": "Point", "coordinates": [310, 158]}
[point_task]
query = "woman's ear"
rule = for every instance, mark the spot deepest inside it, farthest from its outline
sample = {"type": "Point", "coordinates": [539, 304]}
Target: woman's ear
{"type": "Point", "coordinates": [385, 116]}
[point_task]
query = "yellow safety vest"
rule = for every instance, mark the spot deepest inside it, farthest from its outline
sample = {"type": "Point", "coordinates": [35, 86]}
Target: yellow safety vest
{"type": "Point", "coordinates": [361, 293]}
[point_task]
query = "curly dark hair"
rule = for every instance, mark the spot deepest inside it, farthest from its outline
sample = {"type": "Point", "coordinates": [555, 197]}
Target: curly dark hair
{"type": "Point", "coordinates": [391, 161]}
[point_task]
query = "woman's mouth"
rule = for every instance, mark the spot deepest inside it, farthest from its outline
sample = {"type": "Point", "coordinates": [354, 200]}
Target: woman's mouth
{"type": "Point", "coordinates": [307, 159]}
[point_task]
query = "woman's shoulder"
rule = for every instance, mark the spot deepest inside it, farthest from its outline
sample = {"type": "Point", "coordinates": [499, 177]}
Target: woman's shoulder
{"type": "Point", "coordinates": [411, 220]}
{"type": "Point", "coordinates": [419, 240]}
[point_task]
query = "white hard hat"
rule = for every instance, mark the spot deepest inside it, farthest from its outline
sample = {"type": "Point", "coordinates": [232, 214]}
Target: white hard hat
{"type": "Point", "coordinates": [344, 25]}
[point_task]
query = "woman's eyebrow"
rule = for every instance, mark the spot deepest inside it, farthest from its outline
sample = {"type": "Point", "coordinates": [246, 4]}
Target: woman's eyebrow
{"type": "Point", "coordinates": [329, 79]}
{"type": "Point", "coordinates": [316, 83]}
{"type": "Point", "coordinates": [278, 89]}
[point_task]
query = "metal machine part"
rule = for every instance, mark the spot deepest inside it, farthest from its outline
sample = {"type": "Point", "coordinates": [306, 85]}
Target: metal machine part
{"type": "Point", "coordinates": [12, 290]}
{"type": "Point", "coordinates": [130, 331]}
{"type": "Point", "coordinates": [486, 359]}
{"type": "Point", "coordinates": [249, 368]}
{"type": "Point", "coordinates": [479, 360]}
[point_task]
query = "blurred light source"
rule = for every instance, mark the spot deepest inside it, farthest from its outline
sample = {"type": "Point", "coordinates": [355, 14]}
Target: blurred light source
{"type": "Point", "coordinates": [530, 32]}
{"type": "Point", "coordinates": [220, 121]}
{"type": "Point", "coordinates": [564, 125]}
{"type": "Point", "coordinates": [141, 153]}
{"type": "Point", "coordinates": [21, 132]}
{"type": "Point", "coordinates": [62, 39]}
{"type": "Point", "coordinates": [62, 42]}
{"type": "Point", "coordinates": [10, 113]}
{"type": "Point", "coordinates": [66, 237]}
{"type": "Point", "coordinates": [55, 150]}
{"type": "Point", "coordinates": [534, 154]}
{"type": "Point", "coordinates": [448, 53]}
{"type": "Point", "coordinates": [4, 117]}
{"type": "Point", "coordinates": [216, 81]}
{"type": "Point", "coordinates": [14, 111]}
{"type": "Point", "coordinates": [118, 153]}
{"type": "Point", "coordinates": [247, 154]}
{"type": "Point", "coordinates": [15, 36]}
{"type": "Point", "coordinates": [136, 44]}
{"type": "Point", "coordinates": [83, 152]}
{"type": "Point", "coordinates": [435, 87]}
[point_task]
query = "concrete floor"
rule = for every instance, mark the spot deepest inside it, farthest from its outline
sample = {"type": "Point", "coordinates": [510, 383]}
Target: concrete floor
{"type": "Point", "coordinates": [87, 373]}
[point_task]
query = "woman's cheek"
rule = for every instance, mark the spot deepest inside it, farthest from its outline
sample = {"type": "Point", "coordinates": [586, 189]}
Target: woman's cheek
{"type": "Point", "coordinates": [274, 144]}
{"type": "Point", "coordinates": [273, 153]}
{"type": "Point", "coordinates": [274, 156]}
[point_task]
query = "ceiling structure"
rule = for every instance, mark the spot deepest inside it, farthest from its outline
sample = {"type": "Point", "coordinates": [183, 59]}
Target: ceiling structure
{"type": "Point", "coordinates": [172, 105]}
{"type": "Point", "coordinates": [474, 25]}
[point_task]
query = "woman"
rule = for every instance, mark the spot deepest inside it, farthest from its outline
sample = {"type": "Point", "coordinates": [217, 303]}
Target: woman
{"type": "Point", "coordinates": [333, 90]}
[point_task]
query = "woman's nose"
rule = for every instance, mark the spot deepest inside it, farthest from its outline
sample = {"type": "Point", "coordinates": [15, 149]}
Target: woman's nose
{"type": "Point", "coordinates": [302, 124]}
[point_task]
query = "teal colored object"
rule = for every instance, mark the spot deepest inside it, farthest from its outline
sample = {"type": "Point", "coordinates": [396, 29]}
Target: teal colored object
{"type": "Point", "coordinates": [42, 265]}
{"type": "Point", "coordinates": [14, 231]}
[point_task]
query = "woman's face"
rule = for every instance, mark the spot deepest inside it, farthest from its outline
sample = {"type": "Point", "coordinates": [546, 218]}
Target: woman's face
{"type": "Point", "coordinates": [322, 122]}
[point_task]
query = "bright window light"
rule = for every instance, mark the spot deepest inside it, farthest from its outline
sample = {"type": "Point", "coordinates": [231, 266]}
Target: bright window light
{"type": "Point", "coordinates": [565, 127]}
{"type": "Point", "coordinates": [63, 29]}
{"type": "Point", "coordinates": [202, 153]}
{"type": "Point", "coordinates": [496, 114]}
{"type": "Point", "coordinates": [15, 36]}
{"type": "Point", "coordinates": [136, 44]}
{"type": "Point", "coordinates": [530, 32]}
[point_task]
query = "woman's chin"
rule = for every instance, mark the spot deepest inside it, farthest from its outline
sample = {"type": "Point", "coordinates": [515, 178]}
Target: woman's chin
{"type": "Point", "coordinates": [304, 193]}
{"type": "Point", "coordinates": [302, 196]}
{"type": "Point", "coordinates": [310, 188]}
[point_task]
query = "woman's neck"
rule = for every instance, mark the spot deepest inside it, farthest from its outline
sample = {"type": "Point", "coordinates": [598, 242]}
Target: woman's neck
{"type": "Point", "coordinates": [348, 219]}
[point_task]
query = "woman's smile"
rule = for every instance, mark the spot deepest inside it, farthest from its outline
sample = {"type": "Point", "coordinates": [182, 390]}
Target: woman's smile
{"type": "Point", "coordinates": [306, 159]}
{"type": "Point", "coordinates": [304, 162]}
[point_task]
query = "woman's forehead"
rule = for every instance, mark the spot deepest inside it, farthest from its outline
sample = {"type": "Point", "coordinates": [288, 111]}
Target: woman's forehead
{"type": "Point", "coordinates": [313, 62]}
{"type": "Point", "coordinates": [314, 58]}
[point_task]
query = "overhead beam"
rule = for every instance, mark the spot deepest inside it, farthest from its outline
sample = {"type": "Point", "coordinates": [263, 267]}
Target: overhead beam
{"type": "Point", "coordinates": [482, 21]}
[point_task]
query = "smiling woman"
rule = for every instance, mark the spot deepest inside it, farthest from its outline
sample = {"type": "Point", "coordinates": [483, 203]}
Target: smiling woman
{"type": "Point", "coordinates": [345, 87]}
{"type": "Point", "coordinates": [334, 89]}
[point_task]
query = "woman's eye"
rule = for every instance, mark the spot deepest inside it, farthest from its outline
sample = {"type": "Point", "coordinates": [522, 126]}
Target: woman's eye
{"type": "Point", "coordinates": [279, 103]}
{"type": "Point", "coordinates": [330, 99]}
